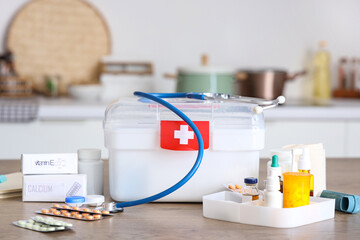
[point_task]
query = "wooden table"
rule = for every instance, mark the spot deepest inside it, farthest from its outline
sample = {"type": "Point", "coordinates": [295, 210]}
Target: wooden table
{"type": "Point", "coordinates": [185, 220]}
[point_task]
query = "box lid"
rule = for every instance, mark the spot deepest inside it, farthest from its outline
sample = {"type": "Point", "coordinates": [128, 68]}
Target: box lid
{"type": "Point", "coordinates": [137, 113]}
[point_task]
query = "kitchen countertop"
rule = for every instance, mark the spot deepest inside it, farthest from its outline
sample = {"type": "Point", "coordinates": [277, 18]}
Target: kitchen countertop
{"type": "Point", "coordinates": [339, 109]}
{"type": "Point", "coordinates": [185, 220]}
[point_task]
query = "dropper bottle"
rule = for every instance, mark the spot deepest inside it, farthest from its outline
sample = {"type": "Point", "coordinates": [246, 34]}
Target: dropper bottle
{"type": "Point", "coordinates": [272, 194]}
{"type": "Point", "coordinates": [275, 169]}
{"type": "Point", "coordinates": [304, 165]}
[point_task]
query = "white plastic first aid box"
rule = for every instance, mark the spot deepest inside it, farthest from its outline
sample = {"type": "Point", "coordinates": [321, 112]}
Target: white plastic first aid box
{"type": "Point", "coordinates": [151, 149]}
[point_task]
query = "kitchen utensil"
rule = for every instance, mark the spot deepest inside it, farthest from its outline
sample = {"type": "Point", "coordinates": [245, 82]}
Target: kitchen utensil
{"type": "Point", "coordinates": [204, 78]}
{"type": "Point", "coordinates": [267, 83]}
{"type": "Point", "coordinates": [86, 92]}
{"type": "Point", "coordinates": [65, 38]}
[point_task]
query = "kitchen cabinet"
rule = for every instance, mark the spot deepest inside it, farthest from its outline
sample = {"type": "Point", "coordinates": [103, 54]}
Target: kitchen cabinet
{"type": "Point", "coordinates": [333, 134]}
{"type": "Point", "coordinates": [65, 125]}
{"type": "Point", "coordinates": [50, 136]}
{"type": "Point", "coordinates": [352, 146]}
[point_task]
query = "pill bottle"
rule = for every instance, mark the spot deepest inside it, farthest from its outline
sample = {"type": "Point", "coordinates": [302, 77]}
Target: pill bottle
{"type": "Point", "coordinates": [90, 163]}
{"type": "Point", "coordinates": [251, 189]}
{"type": "Point", "coordinates": [296, 189]}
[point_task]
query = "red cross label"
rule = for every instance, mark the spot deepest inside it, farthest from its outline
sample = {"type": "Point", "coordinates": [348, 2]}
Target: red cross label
{"type": "Point", "coordinates": [177, 135]}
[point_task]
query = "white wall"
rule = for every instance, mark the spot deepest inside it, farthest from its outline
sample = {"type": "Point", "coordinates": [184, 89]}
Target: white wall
{"type": "Point", "coordinates": [239, 33]}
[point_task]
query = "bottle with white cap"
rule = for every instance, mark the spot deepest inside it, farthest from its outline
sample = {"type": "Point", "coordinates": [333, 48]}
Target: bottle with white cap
{"type": "Point", "coordinates": [90, 163]}
{"type": "Point", "coordinates": [272, 194]}
{"type": "Point", "coordinates": [304, 165]}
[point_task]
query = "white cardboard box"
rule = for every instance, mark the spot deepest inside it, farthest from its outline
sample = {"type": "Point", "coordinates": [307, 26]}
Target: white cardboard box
{"type": "Point", "coordinates": [53, 188]}
{"type": "Point", "coordinates": [57, 163]}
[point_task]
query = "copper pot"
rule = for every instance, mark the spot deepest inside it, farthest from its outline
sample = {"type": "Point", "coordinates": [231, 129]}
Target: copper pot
{"type": "Point", "coordinates": [267, 84]}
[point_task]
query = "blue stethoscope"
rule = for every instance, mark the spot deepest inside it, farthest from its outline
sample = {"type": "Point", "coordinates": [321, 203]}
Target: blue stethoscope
{"type": "Point", "coordinates": [158, 97]}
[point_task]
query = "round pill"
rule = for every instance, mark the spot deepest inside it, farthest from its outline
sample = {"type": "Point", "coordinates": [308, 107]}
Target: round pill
{"type": "Point", "coordinates": [57, 213]}
{"type": "Point", "coordinates": [56, 205]}
{"type": "Point", "coordinates": [74, 213]}
{"type": "Point", "coordinates": [64, 211]}
{"type": "Point", "coordinates": [21, 223]}
{"type": "Point", "coordinates": [76, 208]}
{"type": "Point", "coordinates": [105, 212]}
{"type": "Point", "coordinates": [86, 214]}
{"type": "Point", "coordinates": [85, 209]}
{"type": "Point", "coordinates": [66, 207]}
{"type": "Point", "coordinates": [97, 216]}
{"type": "Point", "coordinates": [36, 227]}
{"type": "Point", "coordinates": [96, 211]}
{"type": "Point", "coordinates": [43, 229]}
{"type": "Point", "coordinates": [89, 217]}
{"type": "Point", "coordinates": [28, 225]}
{"type": "Point", "coordinates": [45, 211]}
{"type": "Point", "coordinates": [79, 216]}
{"type": "Point", "coordinates": [67, 214]}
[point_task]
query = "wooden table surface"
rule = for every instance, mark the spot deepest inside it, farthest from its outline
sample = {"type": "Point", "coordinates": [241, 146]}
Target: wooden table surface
{"type": "Point", "coordinates": [185, 220]}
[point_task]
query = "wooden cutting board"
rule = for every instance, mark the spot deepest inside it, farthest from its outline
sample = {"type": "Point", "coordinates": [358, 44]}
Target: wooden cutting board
{"type": "Point", "coordinates": [58, 37]}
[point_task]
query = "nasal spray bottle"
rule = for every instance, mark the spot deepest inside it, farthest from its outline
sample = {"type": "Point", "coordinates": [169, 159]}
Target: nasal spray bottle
{"type": "Point", "coordinates": [304, 165]}
{"type": "Point", "coordinates": [272, 194]}
{"type": "Point", "coordinates": [274, 168]}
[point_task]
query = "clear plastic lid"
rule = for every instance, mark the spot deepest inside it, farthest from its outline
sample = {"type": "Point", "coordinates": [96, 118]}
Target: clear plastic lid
{"type": "Point", "coordinates": [142, 113]}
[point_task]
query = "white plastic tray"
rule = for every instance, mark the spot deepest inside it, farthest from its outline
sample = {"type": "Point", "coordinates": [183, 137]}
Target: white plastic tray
{"type": "Point", "coordinates": [228, 206]}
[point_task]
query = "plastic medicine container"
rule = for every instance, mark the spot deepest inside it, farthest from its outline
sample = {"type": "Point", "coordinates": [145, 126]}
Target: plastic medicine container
{"type": "Point", "coordinates": [151, 149]}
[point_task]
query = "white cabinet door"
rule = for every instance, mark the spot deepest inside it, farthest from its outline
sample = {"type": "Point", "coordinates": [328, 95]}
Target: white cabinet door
{"type": "Point", "coordinates": [330, 133]}
{"type": "Point", "coordinates": [353, 139]}
{"type": "Point", "coordinates": [50, 137]}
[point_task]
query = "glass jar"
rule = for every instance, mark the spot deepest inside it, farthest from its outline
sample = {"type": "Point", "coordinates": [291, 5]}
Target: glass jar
{"type": "Point", "coordinates": [251, 189]}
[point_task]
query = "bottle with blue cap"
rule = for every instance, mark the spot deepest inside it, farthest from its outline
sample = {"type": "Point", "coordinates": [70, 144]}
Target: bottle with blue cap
{"type": "Point", "coordinates": [251, 190]}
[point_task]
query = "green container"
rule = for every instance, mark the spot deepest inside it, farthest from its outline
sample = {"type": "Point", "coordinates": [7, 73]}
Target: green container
{"type": "Point", "coordinates": [206, 79]}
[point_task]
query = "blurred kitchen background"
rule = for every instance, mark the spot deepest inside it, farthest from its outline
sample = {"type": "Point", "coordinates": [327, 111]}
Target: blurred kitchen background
{"type": "Point", "coordinates": [74, 57]}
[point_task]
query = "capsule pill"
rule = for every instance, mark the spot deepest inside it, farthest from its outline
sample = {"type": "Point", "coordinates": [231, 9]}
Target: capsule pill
{"type": "Point", "coordinates": [52, 209]}
{"type": "Point", "coordinates": [74, 213]}
{"type": "Point", "coordinates": [67, 214]}
{"type": "Point", "coordinates": [45, 211]}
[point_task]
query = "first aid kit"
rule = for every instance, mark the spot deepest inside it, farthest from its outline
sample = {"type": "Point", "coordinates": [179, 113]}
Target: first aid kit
{"type": "Point", "coordinates": [151, 148]}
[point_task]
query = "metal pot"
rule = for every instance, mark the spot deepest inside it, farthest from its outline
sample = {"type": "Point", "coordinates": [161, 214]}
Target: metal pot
{"type": "Point", "coordinates": [267, 83]}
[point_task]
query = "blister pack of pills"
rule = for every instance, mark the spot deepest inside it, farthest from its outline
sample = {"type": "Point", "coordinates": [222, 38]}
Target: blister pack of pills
{"type": "Point", "coordinates": [234, 187]}
{"type": "Point", "coordinates": [82, 210]}
{"type": "Point", "coordinates": [45, 225]}
{"type": "Point", "coordinates": [66, 211]}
